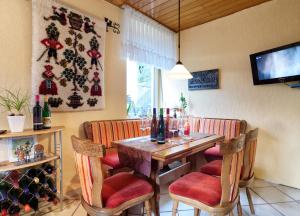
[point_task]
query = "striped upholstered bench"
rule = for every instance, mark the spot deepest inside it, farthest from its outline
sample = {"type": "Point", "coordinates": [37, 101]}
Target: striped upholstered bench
{"type": "Point", "coordinates": [230, 128]}
{"type": "Point", "coordinates": [106, 131]}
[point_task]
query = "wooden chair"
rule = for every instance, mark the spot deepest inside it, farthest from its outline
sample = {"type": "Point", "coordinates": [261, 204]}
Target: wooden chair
{"type": "Point", "coordinates": [247, 173]}
{"type": "Point", "coordinates": [216, 195]}
{"type": "Point", "coordinates": [110, 196]}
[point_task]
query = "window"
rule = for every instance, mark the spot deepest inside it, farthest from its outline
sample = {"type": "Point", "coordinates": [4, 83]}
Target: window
{"type": "Point", "coordinates": [142, 88]}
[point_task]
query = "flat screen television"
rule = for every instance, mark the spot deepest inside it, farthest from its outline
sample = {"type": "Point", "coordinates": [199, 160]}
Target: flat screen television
{"type": "Point", "coordinates": [281, 64]}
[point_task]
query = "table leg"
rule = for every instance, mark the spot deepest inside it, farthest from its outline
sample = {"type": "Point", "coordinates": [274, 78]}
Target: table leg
{"type": "Point", "coordinates": [197, 160]}
{"type": "Point", "coordinates": [155, 167]}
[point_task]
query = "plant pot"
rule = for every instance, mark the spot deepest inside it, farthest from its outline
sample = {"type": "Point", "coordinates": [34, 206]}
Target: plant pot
{"type": "Point", "coordinates": [16, 123]}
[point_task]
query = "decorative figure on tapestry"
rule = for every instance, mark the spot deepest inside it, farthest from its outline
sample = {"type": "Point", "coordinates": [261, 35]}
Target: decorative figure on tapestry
{"type": "Point", "coordinates": [75, 21]}
{"type": "Point", "coordinates": [96, 88]}
{"type": "Point", "coordinates": [90, 27]}
{"type": "Point", "coordinates": [92, 101]}
{"type": "Point", "coordinates": [60, 17]}
{"type": "Point", "coordinates": [51, 43]}
{"type": "Point", "coordinates": [72, 45]}
{"type": "Point", "coordinates": [94, 54]}
{"type": "Point", "coordinates": [48, 86]}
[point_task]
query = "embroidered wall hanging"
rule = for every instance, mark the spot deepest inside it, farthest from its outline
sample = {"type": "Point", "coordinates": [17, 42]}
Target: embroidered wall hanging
{"type": "Point", "coordinates": [67, 57]}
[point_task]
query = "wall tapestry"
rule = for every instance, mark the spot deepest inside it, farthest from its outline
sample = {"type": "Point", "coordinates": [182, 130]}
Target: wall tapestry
{"type": "Point", "coordinates": [202, 80]}
{"type": "Point", "coordinates": [67, 57]}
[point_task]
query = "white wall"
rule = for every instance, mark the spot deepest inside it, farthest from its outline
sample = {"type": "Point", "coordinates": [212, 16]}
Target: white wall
{"type": "Point", "coordinates": [275, 109]}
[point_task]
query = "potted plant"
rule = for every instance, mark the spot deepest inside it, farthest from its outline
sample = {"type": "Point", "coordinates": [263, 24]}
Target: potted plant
{"type": "Point", "coordinates": [15, 104]}
{"type": "Point", "coordinates": [183, 104]}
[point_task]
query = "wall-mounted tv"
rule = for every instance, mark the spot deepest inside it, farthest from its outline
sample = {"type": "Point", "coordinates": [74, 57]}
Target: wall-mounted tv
{"type": "Point", "coordinates": [281, 64]}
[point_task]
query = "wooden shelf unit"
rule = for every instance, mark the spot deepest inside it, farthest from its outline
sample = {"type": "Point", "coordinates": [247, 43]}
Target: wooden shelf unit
{"type": "Point", "coordinates": [54, 155]}
{"type": "Point", "coordinates": [10, 166]}
{"type": "Point", "coordinates": [30, 132]}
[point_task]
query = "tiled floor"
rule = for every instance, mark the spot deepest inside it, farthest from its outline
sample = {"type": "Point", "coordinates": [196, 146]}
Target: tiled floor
{"type": "Point", "coordinates": [269, 200]}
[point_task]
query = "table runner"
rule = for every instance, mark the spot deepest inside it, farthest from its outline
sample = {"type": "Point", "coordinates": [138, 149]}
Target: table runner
{"type": "Point", "coordinates": [136, 153]}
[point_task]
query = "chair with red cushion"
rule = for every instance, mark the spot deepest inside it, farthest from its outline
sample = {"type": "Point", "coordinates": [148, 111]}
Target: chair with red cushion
{"type": "Point", "coordinates": [230, 128]}
{"type": "Point", "coordinates": [216, 195]}
{"type": "Point", "coordinates": [247, 174]}
{"type": "Point", "coordinates": [107, 131]}
{"type": "Point", "coordinates": [110, 196]}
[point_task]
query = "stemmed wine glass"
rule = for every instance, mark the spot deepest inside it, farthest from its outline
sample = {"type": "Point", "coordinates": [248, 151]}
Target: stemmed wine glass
{"type": "Point", "coordinates": [181, 125]}
{"type": "Point", "coordinates": [173, 129]}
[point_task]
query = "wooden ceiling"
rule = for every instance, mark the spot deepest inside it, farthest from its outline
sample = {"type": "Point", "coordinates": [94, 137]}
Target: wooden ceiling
{"type": "Point", "coordinates": [193, 12]}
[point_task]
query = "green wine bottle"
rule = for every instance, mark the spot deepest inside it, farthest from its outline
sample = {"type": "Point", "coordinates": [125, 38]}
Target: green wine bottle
{"type": "Point", "coordinates": [161, 136]}
{"type": "Point", "coordinates": [34, 203]}
{"type": "Point", "coordinates": [153, 135]}
{"type": "Point", "coordinates": [46, 114]}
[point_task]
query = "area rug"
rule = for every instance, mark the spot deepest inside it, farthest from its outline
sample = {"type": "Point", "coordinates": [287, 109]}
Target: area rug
{"type": "Point", "coordinates": [67, 57]}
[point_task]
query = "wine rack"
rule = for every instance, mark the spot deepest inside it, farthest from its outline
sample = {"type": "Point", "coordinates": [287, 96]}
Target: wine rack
{"type": "Point", "coordinates": [27, 188]}
{"type": "Point", "coordinates": [40, 190]}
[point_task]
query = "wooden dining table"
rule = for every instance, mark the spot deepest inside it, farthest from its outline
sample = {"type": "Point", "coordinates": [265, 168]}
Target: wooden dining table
{"type": "Point", "coordinates": [188, 150]}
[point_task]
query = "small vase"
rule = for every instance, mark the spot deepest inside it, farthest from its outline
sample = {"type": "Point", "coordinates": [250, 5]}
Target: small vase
{"type": "Point", "coordinates": [16, 123]}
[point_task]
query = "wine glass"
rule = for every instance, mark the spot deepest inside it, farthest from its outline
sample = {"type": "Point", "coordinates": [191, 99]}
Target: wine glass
{"type": "Point", "coordinates": [181, 125]}
{"type": "Point", "coordinates": [173, 129]}
{"type": "Point", "coordinates": [143, 125]}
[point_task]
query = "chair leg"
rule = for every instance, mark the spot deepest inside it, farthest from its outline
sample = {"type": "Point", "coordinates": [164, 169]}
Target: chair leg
{"type": "Point", "coordinates": [148, 207]}
{"type": "Point", "coordinates": [239, 208]}
{"type": "Point", "coordinates": [250, 200]}
{"type": "Point", "coordinates": [175, 206]}
{"type": "Point", "coordinates": [196, 212]}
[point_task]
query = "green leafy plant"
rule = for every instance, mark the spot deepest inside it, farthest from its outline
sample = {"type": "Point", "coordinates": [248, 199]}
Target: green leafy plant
{"type": "Point", "coordinates": [14, 102]}
{"type": "Point", "coordinates": [183, 102]}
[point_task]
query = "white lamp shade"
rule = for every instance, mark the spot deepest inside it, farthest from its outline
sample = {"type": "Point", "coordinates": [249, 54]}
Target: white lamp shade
{"type": "Point", "coordinates": [179, 72]}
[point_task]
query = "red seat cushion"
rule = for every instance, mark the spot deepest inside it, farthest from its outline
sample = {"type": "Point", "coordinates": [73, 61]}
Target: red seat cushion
{"type": "Point", "coordinates": [212, 168]}
{"type": "Point", "coordinates": [112, 159]}
{"type": "Point", "coordinates": [214, 152]}
{"type": "Point", "coordinates": [123, 187]}
{"type": "Point", "coordinates": [198, 186]}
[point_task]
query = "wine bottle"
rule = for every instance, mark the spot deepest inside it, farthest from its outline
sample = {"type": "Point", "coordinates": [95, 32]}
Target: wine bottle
{"type": "Point", "coordinates": [14, 209]}
{"type": "Point", "coordinates": [27, 208]}
{"type": "Point", "coordinates": [41, 176]}
{"type": "Point", "coordinates": [5, 204]}
{"type": "Point", "coordinates": [51, 184]}
{"type": "Point", "coordinates": [14, 193]}
{"type": "Point", "coordinates": [34, 189]}
{"type": "Point", "coordinates": [167, 124]}
{"type": "Point", "coordinates": [24, 198]}
{"type": "Point", "coordinates": [24, 183]}
{"type": "Point", "coordinates": [187, 128]}
{"type": "Point", "coordinates": [175, 115]}
{"type": "Point", "coordinates": [14, 177]}
{"type": "Point", "coordinates": [42, 192]}
{"type": "Point", "coordinates": [153, 136]}
{"type": "Point", "coordinates": [52, 197]}
{"type": "Point", "coordinates": [31, 173]}
{"type": "Point", "coordinates": [161, 138]}
{"type": "Point", "coordinates": [34, 203]}
{"type": "Point", "coordinates": [37, 114]}
{"type": "Point", "coordinates": [49, 168]}
{"type": "Point", "coordinates": [46, 114]}
{"type": "Point", "coordinates": [4, 186]}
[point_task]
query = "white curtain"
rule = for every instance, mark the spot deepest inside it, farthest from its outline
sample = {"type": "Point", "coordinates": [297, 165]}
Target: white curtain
{"type": "Point", "coordinates": [146, 41]}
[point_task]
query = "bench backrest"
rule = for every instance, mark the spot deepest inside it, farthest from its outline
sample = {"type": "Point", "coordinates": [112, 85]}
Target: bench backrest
{"type": "Point", "coordinates": [106, 131]}
{"type": "Point", "coordinates": [230, 128]}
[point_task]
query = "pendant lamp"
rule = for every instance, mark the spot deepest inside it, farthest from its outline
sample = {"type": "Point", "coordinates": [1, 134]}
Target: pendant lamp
{"type": "Point", "coordinates": [179, 71]}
